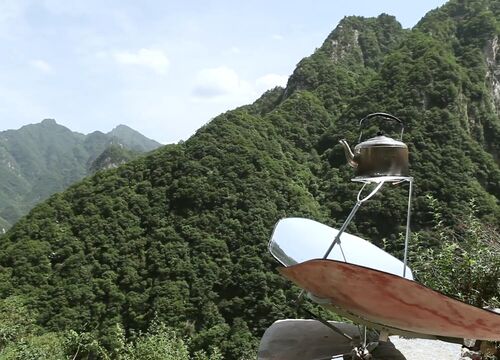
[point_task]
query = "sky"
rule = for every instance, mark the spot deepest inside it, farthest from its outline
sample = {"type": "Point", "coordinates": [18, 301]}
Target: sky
{"type": "Point", "coordinates": [162, 67]}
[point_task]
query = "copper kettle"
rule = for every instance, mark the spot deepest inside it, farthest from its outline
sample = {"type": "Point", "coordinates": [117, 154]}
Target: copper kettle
{"type": "Point", "coordinates": [379, 155]}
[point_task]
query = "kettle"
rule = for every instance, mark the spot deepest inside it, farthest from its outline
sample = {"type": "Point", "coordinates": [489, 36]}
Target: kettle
{"type": "Point", "coordinates": [379, 155]}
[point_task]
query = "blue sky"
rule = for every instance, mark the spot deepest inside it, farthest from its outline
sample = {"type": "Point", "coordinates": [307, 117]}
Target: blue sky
{"type": "Point", "coordinates": [164, 68]}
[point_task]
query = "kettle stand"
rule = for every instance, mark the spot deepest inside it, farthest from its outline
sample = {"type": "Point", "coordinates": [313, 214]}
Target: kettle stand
{"type": "Point", "coordinates": [362, 351]}
{"type": "Point", "coordinates": [379, 181]}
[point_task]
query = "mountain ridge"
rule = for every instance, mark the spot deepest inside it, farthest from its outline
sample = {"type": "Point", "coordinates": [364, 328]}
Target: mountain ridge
{"type": "Point", "coordinates": [40, 159]}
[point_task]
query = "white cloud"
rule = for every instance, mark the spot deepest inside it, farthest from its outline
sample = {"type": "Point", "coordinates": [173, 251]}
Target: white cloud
{"type": "Point", "coordinates": [41, 65]}
{"type": "Point", "coordinates": [219, 81]}
{"type": "Point", "coordinates": [270, 81]}
{"type": "Point", "coordinates": [223, 85]}
{"type": "Point", "coordinates": [235, 50]}
{"type": "Point", "coordinates": [154, 59]}
{"type": "Point", "coordinates": [277, 37]}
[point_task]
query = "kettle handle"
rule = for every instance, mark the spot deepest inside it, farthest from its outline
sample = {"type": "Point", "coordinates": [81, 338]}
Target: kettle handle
{"type": "Point", "coordinates": [384, 115]}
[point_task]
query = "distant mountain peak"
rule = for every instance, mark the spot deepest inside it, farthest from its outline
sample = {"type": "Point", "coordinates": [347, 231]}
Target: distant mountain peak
{"type": "Point", "coordinates": [122, 127]}
{"type": "Point", "coordinates": [124, 130]}
{"type": "Point", "coordinates": [49, 122]}
{"type": "Point", "coordinates": [135, 139]}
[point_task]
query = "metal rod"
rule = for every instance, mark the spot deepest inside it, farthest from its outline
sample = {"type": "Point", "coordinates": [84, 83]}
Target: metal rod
{"type": "Point", "coordinates": [408, 233]}
{"type": "Point", "coordinates": [351, 215]}
{"type": "Point", "coordinates": [364, 335]}
{"type": "Point", "coordinates": [374, 191]}
{"type": "Point", "coordinates": [342, 229]}
{"type": "Point", "coordinates": [326, 323]}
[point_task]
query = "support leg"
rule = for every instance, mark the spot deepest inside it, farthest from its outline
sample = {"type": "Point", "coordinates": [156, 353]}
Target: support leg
{"type": "Point", "coordinates": [408, 233]}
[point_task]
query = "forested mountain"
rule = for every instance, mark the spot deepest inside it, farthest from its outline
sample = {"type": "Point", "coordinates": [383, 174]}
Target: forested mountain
{"type": "Point", "coordinates": [112, 157]}
{"type": "Point", "coordinates": [180, 235]}
{"type": "Point", "coordinates": [38, 160]}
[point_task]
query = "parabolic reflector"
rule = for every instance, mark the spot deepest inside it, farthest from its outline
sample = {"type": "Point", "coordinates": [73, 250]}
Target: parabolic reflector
{"type": "Point", "coordinates": [393, 301]}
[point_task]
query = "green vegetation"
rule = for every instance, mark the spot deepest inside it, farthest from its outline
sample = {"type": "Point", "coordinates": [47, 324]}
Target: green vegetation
{"type": "Point", "coordinates": [465, 264]}
{"type": "Point", "coordinates": [22, 339]}
{"type": "Point", "coordinates": [179, 237]}
{"type": "Point", "coordinates": [41, 159]}
{"type": "Point", "coordinates": [112, 157]}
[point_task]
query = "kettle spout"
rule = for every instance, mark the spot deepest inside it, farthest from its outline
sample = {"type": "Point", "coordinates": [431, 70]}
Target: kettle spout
{"type": "Point", "coordinates": [348, 154]}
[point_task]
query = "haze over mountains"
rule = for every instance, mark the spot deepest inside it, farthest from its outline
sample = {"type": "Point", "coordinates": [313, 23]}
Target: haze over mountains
{"type": "Point", "coordinates": [38, 160]}
{"type": "Point", "coordinates": [180, 235]}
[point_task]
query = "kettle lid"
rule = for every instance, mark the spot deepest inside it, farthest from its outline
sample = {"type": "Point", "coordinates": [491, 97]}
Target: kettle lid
{"type": "Point", "coordinates": [381, 141]}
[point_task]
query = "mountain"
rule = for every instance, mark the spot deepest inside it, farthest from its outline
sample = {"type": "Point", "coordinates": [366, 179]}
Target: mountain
{"type": "Point", "coordinates": [112, 157]}
{"type": "Point", "coordinates": [180, 235]}
{"type": "Point", "coordinates": [134, 140]}
{"type": "Point", "coordinates": [40, 159]}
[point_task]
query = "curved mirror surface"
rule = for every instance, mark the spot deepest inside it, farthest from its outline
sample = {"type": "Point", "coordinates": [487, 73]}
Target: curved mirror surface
{"type": "Point", "coordinates": [295, 240]}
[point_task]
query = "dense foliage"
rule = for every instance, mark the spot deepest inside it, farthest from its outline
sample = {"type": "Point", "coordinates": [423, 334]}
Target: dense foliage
{"type": "Point", "coordinates": [465, 264]}
{"type": "Point", "coordinates": [41, 159]}
{"type": "Point", "coordinates": [180, 236]}
{"type": "Point", "coordinates": [22, 339]}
